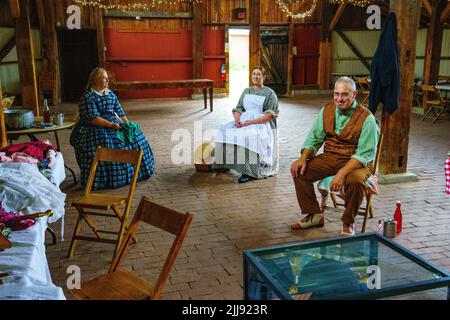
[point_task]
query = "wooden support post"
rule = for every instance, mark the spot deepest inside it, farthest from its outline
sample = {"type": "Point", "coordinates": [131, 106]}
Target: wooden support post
{"type": "Point", "coordinates": [49, 82]}
{"type": "Point", "coordinates": [434, 44]}
{"type": "Point", "coordinates": [254, 20]}
{"type": "Point", "coordinates": [27, 70]}
{"type": "Point", "coordinates": [15, 8]}
{"type": "Point", "coordinates": [324, 72]}
{"type": "Point", "coordinates": [100, 37]}
{"type": "Point", "coordinates": [396, 126]}
{"type": "Point", "coordinates": [289, 61]}
{"type": "Point", "coordinates": [227, 58]}
{"type": "Point", "coordinates": [3, 140]}
{"type": "Point", "coordinates": [197, 41]}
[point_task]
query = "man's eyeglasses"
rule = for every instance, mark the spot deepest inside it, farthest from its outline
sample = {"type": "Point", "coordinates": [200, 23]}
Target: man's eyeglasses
{"type": "Point", "coordinates": [342, 95]}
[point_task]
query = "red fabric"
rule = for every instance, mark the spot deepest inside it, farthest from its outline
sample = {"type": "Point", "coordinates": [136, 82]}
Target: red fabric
{"type": "Point", "coordinates": [35, 149]}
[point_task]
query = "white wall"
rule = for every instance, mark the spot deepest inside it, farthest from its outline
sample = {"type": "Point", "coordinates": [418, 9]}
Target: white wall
{"type": "Point", "coordinates": [345, 61]}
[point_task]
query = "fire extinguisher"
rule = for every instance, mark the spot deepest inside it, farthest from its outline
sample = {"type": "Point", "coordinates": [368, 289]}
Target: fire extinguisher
{"type": "Point", "coordinates": [223, 72]}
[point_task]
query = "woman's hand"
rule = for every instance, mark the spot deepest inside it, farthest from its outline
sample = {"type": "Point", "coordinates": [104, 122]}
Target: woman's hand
{"type": "Point", "coordinates": [237, 119]}
{"type": "Point", "coordinates": [115, 126]}
{"type": "Point", "coordinates": [247, 123]}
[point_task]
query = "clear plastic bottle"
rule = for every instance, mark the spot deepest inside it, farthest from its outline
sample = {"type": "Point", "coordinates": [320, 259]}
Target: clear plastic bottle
{"type": "Point", "coordinates": [46, 112]}
{"type": "Point", "coordinates": [398, 217]}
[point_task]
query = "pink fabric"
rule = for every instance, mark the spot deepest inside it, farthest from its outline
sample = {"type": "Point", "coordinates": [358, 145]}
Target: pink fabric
{"type": "Point", "coordinates": [23, 158]}
{"type": "Point", "coordinates": [447, 176]}
{"type": "Point", "coordinates": [4, 157]}
{"type": "Point", "coordinates": [15, 221]}
{"type": "Point", "coordinates": [35, 149]}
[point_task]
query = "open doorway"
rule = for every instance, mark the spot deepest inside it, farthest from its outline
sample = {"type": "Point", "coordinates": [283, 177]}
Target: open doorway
{"type": "Point", "coordinates": [78, 56]}
{"type": "Point", "coordinates": [238, 60]}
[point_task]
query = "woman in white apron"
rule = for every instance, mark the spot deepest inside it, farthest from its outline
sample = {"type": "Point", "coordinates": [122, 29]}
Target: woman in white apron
{"type": "Point", "coordinates": [249, 144]}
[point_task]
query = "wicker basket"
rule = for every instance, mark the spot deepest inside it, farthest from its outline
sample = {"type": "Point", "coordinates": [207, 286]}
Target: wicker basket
{"type": "Point", "coordinates": [206, 151]}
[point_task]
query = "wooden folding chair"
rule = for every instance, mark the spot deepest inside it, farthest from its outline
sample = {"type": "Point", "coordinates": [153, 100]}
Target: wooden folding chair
{"type": "Point", "coordinates": [418, 94]}
{"type": "Point", "coordinates": [365, 211]}
{"type": "Point", "coordinates": [105, 203]}
{"type": "Point", "coordinates": [125, 285]}
{"type": "Point", "coordinates": [364, 88]}
{"type": "Point", "coordinates": [433, 102]}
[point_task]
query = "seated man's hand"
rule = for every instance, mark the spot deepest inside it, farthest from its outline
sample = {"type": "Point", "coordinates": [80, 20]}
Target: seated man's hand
{"type": "Point", "coordinates": [337, 183]}
{"type": "Point", "coordinates": [237, 124]}
{"type": "Point", "coordinates": [298, 167]}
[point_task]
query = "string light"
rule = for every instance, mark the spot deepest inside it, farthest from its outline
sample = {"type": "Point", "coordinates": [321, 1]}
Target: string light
{"type": "Point", "coordinates": [301, 15]}
{"type": "Point", "coordinates": [358, 3]}
{"type": "Point", "coordinates": [135, 6]}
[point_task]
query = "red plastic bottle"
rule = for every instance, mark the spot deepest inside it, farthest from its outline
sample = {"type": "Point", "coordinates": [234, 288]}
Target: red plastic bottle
{"type": "Point", "coordinates": [398, 217]}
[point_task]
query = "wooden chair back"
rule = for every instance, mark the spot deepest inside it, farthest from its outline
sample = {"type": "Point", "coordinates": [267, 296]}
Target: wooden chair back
{"type": "Point", "coordinates": [431, 93]}
{"type": "Point", "coordinates": [363, 83]}
{"type": "Point", "coordinates": [115, 155]}
{"type": "Point", "coordinates": [171, 221]}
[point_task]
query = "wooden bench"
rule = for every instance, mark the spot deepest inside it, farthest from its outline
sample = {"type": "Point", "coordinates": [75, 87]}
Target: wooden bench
{"type": "Point", "coordinates": [170, 84]}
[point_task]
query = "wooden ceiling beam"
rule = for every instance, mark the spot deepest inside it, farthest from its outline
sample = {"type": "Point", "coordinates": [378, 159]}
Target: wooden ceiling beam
{"type": "Point", "coordinates": [427, 6]}
{"type": "Point", "coordinates": [445, 13]}
{"type": "Point", "coordinates": [7, 48]}
{"type": "Point", "coordinates": [337, 16]}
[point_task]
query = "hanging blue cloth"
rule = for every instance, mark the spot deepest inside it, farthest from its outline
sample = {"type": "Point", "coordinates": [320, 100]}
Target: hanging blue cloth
{"type": "Point", "coordinates": [385, 69]}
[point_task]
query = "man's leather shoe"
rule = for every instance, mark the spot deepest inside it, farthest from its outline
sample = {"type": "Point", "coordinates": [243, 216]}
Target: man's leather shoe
{"type": "Point", "coordinates": [348, 230]}
{"type": "Point", "coordinates": [310, 221]}
{"type": "Point", "coordinates": [245, 178]}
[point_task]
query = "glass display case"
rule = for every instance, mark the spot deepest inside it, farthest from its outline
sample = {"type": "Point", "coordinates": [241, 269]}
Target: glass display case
{"type": "Point", "coordinates": [366, 266]}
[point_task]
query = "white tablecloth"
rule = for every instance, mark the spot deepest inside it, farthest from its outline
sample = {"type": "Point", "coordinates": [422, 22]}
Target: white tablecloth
{"type": "Point", "coordinates": [24, 189]}
{"type": "Point", "coordinates": [27, 264]}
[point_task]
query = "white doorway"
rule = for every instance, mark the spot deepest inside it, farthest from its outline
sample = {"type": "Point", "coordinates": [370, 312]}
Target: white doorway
{"type": "Point", "coordinates": [238, 60]}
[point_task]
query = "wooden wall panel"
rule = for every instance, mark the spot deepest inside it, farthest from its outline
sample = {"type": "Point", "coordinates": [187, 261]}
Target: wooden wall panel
{"type": "Point", "coordinates": [213, 55]}
{"type": "Point", "coordinates": [305, 64]}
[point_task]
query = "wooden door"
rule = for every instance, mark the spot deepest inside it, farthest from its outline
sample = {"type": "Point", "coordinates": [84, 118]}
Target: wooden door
{"type": "Point", "coordinates": [274, 56]}
{"type": "Point", "coordinates": [78, 56]}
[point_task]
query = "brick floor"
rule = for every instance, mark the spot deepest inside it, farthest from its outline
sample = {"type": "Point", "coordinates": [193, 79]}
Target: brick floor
{"type": "Point", "coordinates": [229, 217]}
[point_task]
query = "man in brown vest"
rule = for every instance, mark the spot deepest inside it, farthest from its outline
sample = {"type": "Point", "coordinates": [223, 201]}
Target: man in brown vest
{"type": "Point", "coordinates": [349, 133]}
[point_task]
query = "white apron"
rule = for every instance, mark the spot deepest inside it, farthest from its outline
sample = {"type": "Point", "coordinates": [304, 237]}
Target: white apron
{"type": "Point", "coordinates": [257, 137]}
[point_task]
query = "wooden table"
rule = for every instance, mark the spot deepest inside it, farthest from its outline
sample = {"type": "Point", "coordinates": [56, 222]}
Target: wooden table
{"type": "Point", "coordinates": [204, 84]}
{"type": "Point", "coordinates": [443, 87]}
{"type": "Point", "coordinates": [31, 132]}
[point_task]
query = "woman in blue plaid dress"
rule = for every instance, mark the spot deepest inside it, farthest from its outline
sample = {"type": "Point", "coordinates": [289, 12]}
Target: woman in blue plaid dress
{"type": "Point", "coordinates": [100, 118]}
